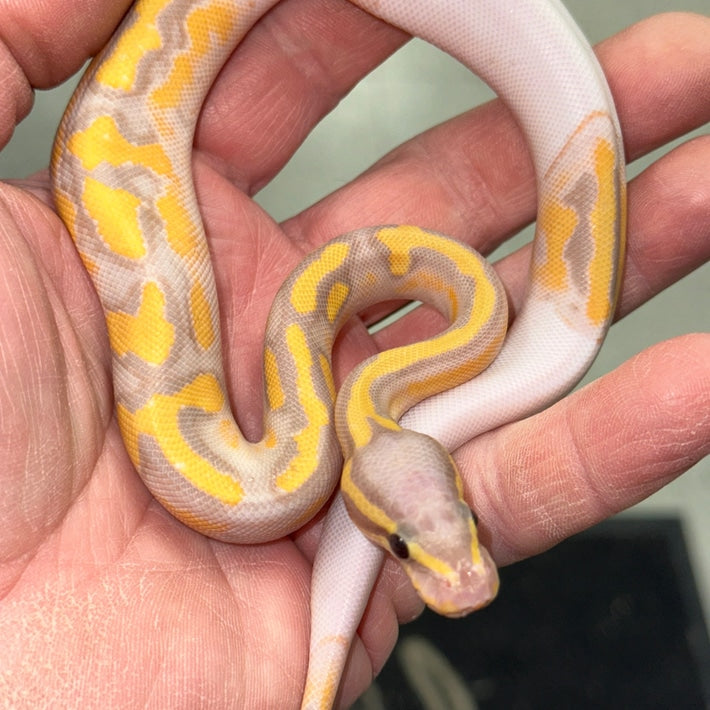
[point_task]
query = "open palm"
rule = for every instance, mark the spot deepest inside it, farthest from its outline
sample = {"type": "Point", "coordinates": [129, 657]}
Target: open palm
{"type": "Point", "coordinates": [105, 600]}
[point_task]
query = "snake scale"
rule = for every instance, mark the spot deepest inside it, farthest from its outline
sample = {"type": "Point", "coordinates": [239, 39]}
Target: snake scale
{"type": "Point", "coordinates": [122, 183]}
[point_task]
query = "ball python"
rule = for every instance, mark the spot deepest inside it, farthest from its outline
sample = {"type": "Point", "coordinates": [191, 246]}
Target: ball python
{"type": "Point", "coordinates": [122, 183]}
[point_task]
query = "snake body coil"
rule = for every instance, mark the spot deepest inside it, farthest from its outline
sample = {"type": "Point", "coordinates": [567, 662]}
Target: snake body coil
{"type": "Point", "coordinates": [122, 182]}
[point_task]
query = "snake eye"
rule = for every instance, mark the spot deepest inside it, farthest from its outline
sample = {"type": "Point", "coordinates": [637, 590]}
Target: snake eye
{"type": "Point", "coordinates": [474, 516]}
{"type": "Point", "coordinates": [398, 546]}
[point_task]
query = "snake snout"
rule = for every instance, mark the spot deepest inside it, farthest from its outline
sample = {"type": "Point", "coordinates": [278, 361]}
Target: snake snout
{"type": "Point", "coordinates": [473, 585]}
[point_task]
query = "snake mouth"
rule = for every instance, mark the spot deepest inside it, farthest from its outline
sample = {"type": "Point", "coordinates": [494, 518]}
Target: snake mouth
{"type": "Point", "coordinates": [472, 587]}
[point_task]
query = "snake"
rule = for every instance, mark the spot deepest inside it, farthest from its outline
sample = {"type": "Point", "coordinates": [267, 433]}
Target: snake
{"type": "Point", "coordinates": [122, 184]}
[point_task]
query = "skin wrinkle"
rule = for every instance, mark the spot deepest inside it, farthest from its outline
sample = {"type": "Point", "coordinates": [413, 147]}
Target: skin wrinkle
{"type": "Point", "coordinates": [89, 632]}
{"type": "Point", "coordinates": [463, 140]}
{"type": "Point", "coordinates": [677, 401]}
{"type": "Point", "coordinates": [642, 467]}
{"type": "Point", "coordinates": [490, 199]}
{"type": "Point", "coordinates": [17, 94]}
{"type": "Point", "coordinates": [241, 84]}
{"type": "Point", "coordinates": [73, 372]}
{"type": "Point", "coordinates": [486, 488]}
{"type": "Point", "coordinates": [691, 191]}
{"type": "Point", "coordinates": [550, 502]}
{"type": "Point", "coordinates": [592, 478]}
{"type": "Point", "coordinates": [663, 39]}
{"type": "Point", "coordinates": [304, 60]}
{"type": "Point", "coordinates": [470, 189]}
{"type": "Point", "coordinates": [27, 329]}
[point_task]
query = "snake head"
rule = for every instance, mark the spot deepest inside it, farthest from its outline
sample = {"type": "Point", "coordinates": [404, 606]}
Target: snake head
{"type": "Point", "coordinates": [403, 491]}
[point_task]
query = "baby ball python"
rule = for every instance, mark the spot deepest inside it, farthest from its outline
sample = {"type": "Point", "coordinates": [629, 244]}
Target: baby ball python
{"type": "Point", "coordinates": [122, 183]}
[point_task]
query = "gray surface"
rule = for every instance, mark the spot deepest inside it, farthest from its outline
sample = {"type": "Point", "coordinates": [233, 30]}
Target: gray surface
{"type": "Point", "coordinates": [429, 87]}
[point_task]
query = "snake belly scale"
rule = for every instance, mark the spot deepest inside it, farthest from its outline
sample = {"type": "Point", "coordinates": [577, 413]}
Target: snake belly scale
{"type": "Point", "coordinates": [121, 171]}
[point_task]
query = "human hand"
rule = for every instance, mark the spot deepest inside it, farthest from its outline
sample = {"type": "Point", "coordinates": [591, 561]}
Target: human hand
{"type": "Point", "coordinates": [106, 599]}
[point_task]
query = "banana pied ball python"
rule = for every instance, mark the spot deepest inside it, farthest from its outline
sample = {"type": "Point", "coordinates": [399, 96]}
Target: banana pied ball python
{"type": "Point", "coordinates": [122, 183]}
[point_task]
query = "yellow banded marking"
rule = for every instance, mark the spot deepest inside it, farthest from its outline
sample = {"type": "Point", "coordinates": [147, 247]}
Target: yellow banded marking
{"type": "Point", "coordinates": [204, 525]}
{"type": "Point", "coordinates": [601, 292]}
{"type": "Point", "coordinates": [118, 70]}
{"type": "Point", "coordinates": [476, 556]}
{"type": "Point", "coordinates": [119, 228]}
{"type": "Point", "coordinates": [557, 226]}
{"type": "Point", "coordinates": [361, 408]}
{"type": "Point", "coordinates": [115, 210]}
{"type": "Point", "coordinates": [274, 389]}
{"type": "Point", "coordinates": [400, 240]}
{"type": "Point", "coordinates": [181, 232]}
{"type": "Point", "coordinates": [371, 511]}
{"type": "Point", "coordinates": [441, 380]}
{"type": "Point", "coordinates": [399, 261]}
{"type": "Point", "coordinates": [336, 298]}
{"type": "Point", "coordinates": [305, 462]}
{"type": "Point", "coordinates": [103, 142]}
{"type": "Point", "coordinates": [228, 433]}
{"type": "Point", "coordinates": [327, 375]}
{"type": "Point", "coordinates": [201, 317]}
{"type": "Point", "coordinates": [159, 419]}
{"type": "Point", "coordinates": [426, 559]}
{"type": "Point", "coordinates": [67, 211]}
{"type": "Point", "coordinates": [147, 334]}
{"type": "Point", "coordinates": [270, 439]}
{"type": "Point", "coordinates": [204, 25]}
{"type": "Point", "coordinates": [475, 547]}
{"type": "Point", "coordinates": [432, 282]}
{"type": "Point", "coordinates": [304, 295]}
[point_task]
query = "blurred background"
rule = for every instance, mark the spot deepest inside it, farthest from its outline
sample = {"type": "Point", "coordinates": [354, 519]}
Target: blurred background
{"type": "Point", "coordinates": [416, 88]}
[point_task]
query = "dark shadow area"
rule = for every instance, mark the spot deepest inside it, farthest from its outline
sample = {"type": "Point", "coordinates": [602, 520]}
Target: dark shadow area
{"type": "Point", "coordinates": [608, 619]}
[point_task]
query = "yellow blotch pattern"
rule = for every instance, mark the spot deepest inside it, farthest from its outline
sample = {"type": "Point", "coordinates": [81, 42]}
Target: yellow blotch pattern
{"type": "Point", "coordinates": [229, 433]}
{"type": "Point", "coordinates": [601, 291]}
{"type": "Point", "coordinates": [274, 389]}
{"type": "Point", "coordinates": [181, 232]}
{"type": "Point", "coordinates": [159, 419]}
{"type": "Point", "coordinates": [399, 261]}
{"type": "Point", "coordinates": [201, 317]}
{"type": "Point", "coordinates": [361, 406]}
{"type": "Point", "coordinates": [118, 224]}
{"type": "Point", "coordinates": [336, 298]}
{"type": "Point", "coordinates": [270, 439]}
{"type": "Point", "coordinates": [403, 239]}
{"type": "Point", "coordinates": [304, 295]}
{"type": "Point", "coordinates": [305, 462]}
{"type": "Point", "coordinates": [327, 375]}
{"type": "Point", "coordinates": [433, 283]}
{"type": "Point", "coordinates": [557, 224]}
{"type": "Point", "coordinates": [147, 334]}
{"type": "Point", "coordinates": [118, 70]}
{"type": "Point", "coordinates": [447, 378]}
{"type": "Point", "coordinates": [204, 25]}
{"type": "Point", "coordinates": [67, 211]}
{"type": "Point", "coordinates": [196, 522]}
{"type": "Point", "coordinates": [369, 509]}
{"type": "Point", "coordinates": [103, 142]}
